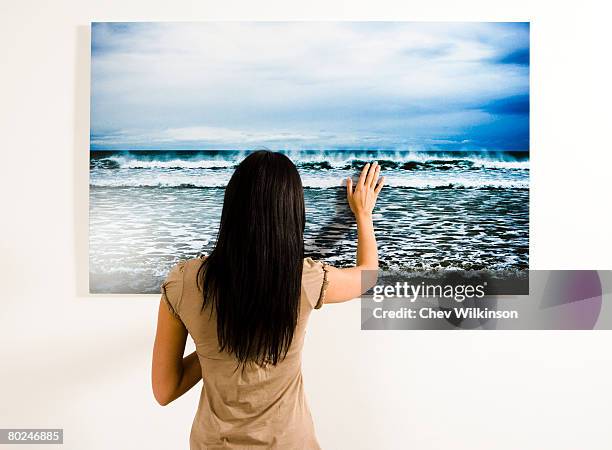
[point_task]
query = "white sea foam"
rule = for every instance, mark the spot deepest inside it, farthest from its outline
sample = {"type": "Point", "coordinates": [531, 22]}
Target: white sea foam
{"type": "Point", "coordinates": [139, 163]}
{"type": "Point", "coordinates": [335, 160]}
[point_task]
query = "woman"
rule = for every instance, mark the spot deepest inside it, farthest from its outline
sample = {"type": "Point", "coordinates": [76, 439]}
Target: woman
{"type": "Point", "coordinates": [246, 307]}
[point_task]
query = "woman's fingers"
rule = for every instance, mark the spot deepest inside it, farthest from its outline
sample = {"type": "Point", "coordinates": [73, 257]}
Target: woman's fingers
{"type": "Point", "coordinates": [363, 197]}
{"type": "Point", "coordinates": [375, 177]}
{"type": "Point", "coordinates": [371, 174]}
{"type": "Point", "coordinates": [362, 177]}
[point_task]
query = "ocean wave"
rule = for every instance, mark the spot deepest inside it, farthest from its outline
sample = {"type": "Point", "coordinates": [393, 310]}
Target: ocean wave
{"type": "Point", "coordinates": [411, 161]}
{"type": "Point", "coordinates": [443, 164]}
{"type": "Point", "coordinates": [120, 162]}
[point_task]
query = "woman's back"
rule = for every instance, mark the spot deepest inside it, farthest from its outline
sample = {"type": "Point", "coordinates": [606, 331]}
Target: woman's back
{"type": "Point", "coordinates": [246, 307]}
{"type": "Point", "coordinates": [254, 406]}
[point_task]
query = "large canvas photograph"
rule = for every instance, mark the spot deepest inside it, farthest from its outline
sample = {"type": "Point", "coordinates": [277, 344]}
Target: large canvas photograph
{"type": "Point", "coordinates": [442, 107]}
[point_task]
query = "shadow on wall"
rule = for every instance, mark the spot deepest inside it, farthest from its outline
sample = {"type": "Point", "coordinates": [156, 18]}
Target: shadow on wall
{"type": "Point", "coordinates": [80, 159]}
{"type": "Point", "coordinates": [336, 229]}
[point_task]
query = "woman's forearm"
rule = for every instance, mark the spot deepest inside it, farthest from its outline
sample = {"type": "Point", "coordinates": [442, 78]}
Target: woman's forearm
{"type": "Point", "coordinates": [367, 252]}
{"type": "Point", "coordinates": [191, 374]}
{"type": "Point", "coordinates": [348, 283]}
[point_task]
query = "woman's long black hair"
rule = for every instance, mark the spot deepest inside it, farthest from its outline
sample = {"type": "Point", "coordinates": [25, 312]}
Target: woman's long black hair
{"type": "Point", "coordinates": [252, 278]}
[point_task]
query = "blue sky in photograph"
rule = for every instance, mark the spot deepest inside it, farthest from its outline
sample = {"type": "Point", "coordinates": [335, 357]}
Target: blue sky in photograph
{"type": "Point", "coordinates": [310, 85]}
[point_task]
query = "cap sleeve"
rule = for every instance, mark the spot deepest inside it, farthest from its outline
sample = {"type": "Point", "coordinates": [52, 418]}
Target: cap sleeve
{"type": "Point", "coordinates": [315, 282]}
{"type": "Point", "coordinates": [172, 288]}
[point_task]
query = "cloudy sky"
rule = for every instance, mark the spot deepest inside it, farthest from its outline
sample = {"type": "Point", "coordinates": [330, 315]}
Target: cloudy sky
{"type": "Point", "coordinates": [310, 85]}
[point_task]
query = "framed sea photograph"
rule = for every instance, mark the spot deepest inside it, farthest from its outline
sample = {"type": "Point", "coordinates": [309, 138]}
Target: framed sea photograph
{"type": "Point", "coordinates": [442, 107]}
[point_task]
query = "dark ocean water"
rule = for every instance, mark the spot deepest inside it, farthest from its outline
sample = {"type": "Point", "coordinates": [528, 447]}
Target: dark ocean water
{"type": "Point", "coordinates": [439, 211]}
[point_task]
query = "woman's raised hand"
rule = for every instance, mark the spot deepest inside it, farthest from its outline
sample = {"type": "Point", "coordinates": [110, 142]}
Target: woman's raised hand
{"type": "Point", "coordinates": [363, 198]}
{"type": "Point", "coordinates": [350, 282]}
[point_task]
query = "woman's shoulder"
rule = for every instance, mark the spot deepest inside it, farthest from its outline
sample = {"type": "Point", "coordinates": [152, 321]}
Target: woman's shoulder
{"type": "Point", "coordinates": [191, 276]}
{"type": "Point", "coordinates": [314, 281]}
{"type": "Point", "coordinates": [311, 264]}
{"type": "Point", "coordinates": [192, 265]}
{"type": "Point", "coordinates": [184, 263]}
{"type": "Point", "coordinates": [197, 260]}
{"type": "Point", "coordinates": [184, 269]}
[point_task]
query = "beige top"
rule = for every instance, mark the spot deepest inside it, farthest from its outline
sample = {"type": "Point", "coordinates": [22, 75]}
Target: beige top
{"type": "Point", "coordinates": [258, 407]}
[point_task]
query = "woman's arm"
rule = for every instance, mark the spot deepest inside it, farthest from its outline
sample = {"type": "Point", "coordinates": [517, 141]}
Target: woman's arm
{"type": "Point", "coordinates": [349, 283]}
{"type": "Point", "coordinates": [172, 375]}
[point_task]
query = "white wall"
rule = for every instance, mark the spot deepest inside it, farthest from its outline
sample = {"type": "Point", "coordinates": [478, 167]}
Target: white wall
{"type": "Point", "coordinates": [81, 362]}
